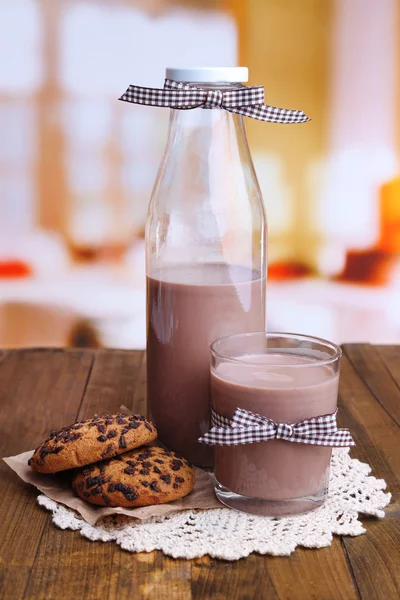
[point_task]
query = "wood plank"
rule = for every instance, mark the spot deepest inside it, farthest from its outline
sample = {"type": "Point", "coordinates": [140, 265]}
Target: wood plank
{"type": "Point", "coordinates": [150, 576]}
{"type": "Point", "coordinates": [139, 398]}
{"type": "Point", "coordinates": [240, 580]}
{"type": "Point", "coordinates": [39, 390]}
{"type": "Point", "coordinates": [391, 359]}
{"type": "Point", "coordinates": [69, 566]}
{"type": "Point", "coordinates": [370, 364]}
{"type": "Point", "coordinates": [377, 438]}
{"type": "Point", "coordinates": [375, 432]}
{"type": "Point", "coordinates": [303, 575]}
{"type": "Point", "coordinates": [375, 559]}
{"type": "Point", "coordinates": [322, 574]}
{"type": "Point", "coordinates": [112, 382]}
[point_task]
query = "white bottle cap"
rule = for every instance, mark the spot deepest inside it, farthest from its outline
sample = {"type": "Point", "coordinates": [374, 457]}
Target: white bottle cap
{"type": "Point", "coordinates": [208, 74]}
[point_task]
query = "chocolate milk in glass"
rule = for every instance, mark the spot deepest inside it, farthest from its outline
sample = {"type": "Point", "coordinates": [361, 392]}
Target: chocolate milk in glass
{"type": "Point", "coordinates": [270, 386]}
{"type": "Point", "coordinates": [188, 308]}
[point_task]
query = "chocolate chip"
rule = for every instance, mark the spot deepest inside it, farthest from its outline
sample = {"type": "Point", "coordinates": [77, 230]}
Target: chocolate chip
{"type": "Point", "coordinates": [92, 424]}
{"type": "Point", "coordinates": [175, 486]}
{"type": "Point", "coordinates": [102, 438]}
{"type": "Point", "coordinates": [146, 464]}
{"type": "Point", "coordinates": [56, 450]}
{"type": "Point", "coordinates": [156, 470]}
{"type": "Point", "coordinates": [121, 421]}
{"type": "Point", "coordinates": [131, 497]}
{"type": "Point", "coordinates": [71, 437]}
{"type": "Point", "coordinates": [101, 428]}
{"type": "Point", "coordinates": [112, 434]}
{"type": "Point", "coordinates": [179, 479]}
{"type": "Point", "coordinates": [113, 487]}
{"type": "Point", "coordinates": [144, 472]}
{"type": "Point", "coordinates": [154, 486]}
{"type": "Point", "coordinates": [44, 452]}
{"type": "Point", "coordinates": [125, 430]}
{"type": "Point", "coordinates": [106, 499]}
{"type": "Point", "coordinates": [148, 427]}
{"type": "Point", "coordinates": [109, 421]}
{"type": "Point", "coordinates": [143, 455]}
{"type": "Point", "coordinates": [127, 491]}
{"type": "Point", "coordinates": [95, 491]}
{"type": "Point", "coordinates": [129, 471]}
{"type": "Point", "coordinates": [133, 425]}
{"type": "Point", "coordinates": [176, 464]}
{"type": "Point", "coordinates": [145, 483]}
{"type": "Point", "coordinates": [122, 443]}
{"type": "Point", "coordinates": [132, 463]}
{"type": "Point", "coordinates": [92, 481]}
{"type": "Point", "coordinates": [86, 494]}
{"type": "Point", "coordinates": [80, 486]}
{"type": "Point", "coordinates": [166, 478]}
{"type": "Point", "coordinates": [87, 471]}
{"type": "Point", "coordinates": [159, 461]}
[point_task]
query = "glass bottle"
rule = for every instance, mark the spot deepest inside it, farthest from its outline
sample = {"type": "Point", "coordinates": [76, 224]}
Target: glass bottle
{"type": "Point", "coordinates": [205, 260]}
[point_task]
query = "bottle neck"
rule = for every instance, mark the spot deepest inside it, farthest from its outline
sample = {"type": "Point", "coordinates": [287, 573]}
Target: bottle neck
{"type": "Point", "coordinates": [212, 134]}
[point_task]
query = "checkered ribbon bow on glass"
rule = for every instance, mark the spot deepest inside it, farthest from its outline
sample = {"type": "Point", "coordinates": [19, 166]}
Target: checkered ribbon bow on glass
{"type": "Point", "coordinates": [247, 101]}
{"type": "Point", "coordinates": [248, 428]}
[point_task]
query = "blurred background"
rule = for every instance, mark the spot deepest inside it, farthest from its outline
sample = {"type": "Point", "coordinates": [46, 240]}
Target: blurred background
{"type": "Point", "coordinates": [77, 166]}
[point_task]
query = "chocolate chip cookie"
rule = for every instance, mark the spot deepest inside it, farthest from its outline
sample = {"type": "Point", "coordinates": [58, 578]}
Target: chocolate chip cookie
{"type": "Point", "coordinates": [148, 475]}
{"type": "Point", "coordinates": [89, 441]}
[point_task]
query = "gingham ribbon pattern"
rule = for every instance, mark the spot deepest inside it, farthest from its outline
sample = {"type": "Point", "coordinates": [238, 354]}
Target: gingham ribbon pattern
{"type": "Point", "coordinates": [248, 428]}
{"type": "Point", "coordinates": [247, 101]}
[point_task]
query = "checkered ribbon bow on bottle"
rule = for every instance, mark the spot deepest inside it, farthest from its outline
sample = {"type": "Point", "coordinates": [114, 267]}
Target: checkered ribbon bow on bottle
{"type": "Point", "coordinates": [247, 428]}
{"type": "Point", "coordinates": [247, 101]}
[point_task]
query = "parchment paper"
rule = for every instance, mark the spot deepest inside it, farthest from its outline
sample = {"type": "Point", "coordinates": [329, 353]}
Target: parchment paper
{"type": "Point", "coordinates": [57, 487]}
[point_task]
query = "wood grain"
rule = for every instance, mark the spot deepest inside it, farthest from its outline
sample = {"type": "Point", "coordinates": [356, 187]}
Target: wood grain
{"type": "Point", "coordinates": [112, 383]}
{"type": "Point", "coordinates": [370, 365]}
{"type": "Point", "coordinates": [366, 410]}
{"type": "Point", "coordinates": [39, 391]}
{"type": "Point", "coordinates": [375, 559]}
{"type": "Point", "coordinates": [376, 433]}
{"type": "Point", "coordinates": [44, 389]}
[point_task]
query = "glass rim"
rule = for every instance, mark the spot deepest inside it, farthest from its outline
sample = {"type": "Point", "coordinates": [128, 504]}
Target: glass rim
{"type": "Point", "coordinates": [294, 336]}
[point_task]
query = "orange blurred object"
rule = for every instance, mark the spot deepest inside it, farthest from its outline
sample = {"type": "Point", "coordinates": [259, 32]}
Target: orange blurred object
{"type": "Point", "coordinates": [113, 253]}
{"type": "Point", "coordinates": [13, 269]}
{"type": "Point", "coordinates": [281, 271]}
{"type": "Point", "coordinates": [390, 217]}
{"type": "Point", "coordinates": [372, 267]}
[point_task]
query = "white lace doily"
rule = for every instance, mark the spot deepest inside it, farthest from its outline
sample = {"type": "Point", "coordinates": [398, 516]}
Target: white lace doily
{"type": "Point", "coordinates": [227, 534]}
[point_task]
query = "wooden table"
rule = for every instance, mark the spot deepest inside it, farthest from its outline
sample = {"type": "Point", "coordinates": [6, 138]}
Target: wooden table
{"type": "Point", "coordinates": [41, 390]}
